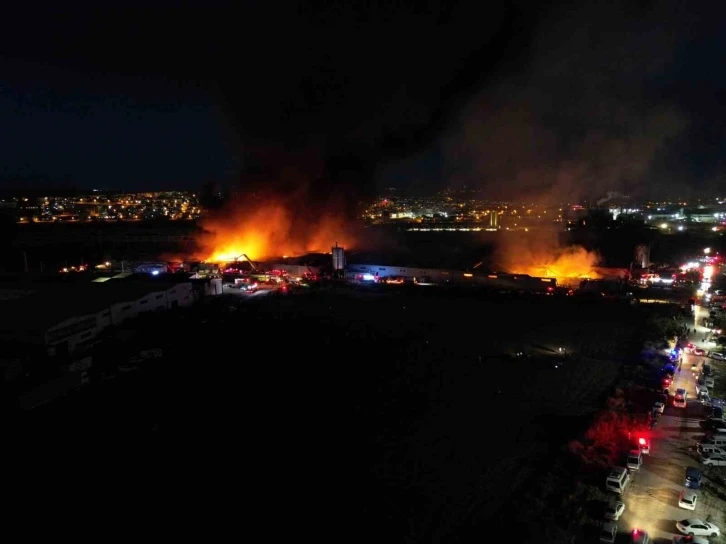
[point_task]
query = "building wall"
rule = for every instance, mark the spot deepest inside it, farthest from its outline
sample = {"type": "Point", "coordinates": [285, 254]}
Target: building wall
{"type": "Point", "coordinates": [122, 311]}
{"type": "Point", "coordinates": [182, 294]}
{"type": "Point", "coordinates": [516, 282]}
{"type": "Point", "coordinates": [409, 272]}
{"type": "Point", "coordinates": [81, 329]}
{"type": "Point", "coordinates": [74, 331]}
{"type": "Point", "coordinates": [152, 302]}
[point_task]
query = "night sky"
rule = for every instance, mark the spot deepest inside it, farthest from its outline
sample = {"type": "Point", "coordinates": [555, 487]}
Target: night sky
{"type": "Point", "coordinates": [554, 100]}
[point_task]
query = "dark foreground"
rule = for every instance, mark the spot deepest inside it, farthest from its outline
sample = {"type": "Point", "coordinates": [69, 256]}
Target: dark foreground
{"type": "Point", "coordinates": [346, 416]}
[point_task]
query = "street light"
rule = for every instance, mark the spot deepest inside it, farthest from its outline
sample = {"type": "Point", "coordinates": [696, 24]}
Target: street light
{"type": "Point", "coordinates": [707, 250]}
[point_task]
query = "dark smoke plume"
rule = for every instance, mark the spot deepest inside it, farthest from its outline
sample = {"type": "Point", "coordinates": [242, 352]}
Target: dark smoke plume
{"type": "Point", "coordinates": [584, 116]}
{"type": "Point", "coordinates": [359, 88]}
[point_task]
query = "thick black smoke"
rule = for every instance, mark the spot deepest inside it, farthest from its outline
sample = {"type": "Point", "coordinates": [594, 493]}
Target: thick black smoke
{"type": "Point", "coordinates": [350, 86]}
{"type": "Point", "coordinates": [355, 88]}
{"type": "Point", "coordinates": [594, 109]}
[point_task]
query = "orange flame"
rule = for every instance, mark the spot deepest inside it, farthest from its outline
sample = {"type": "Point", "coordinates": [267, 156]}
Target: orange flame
{"type": "Point", "coordinates": [268, 229]}
{"type": "Point", "coordinates": [542, 255]}
{"type": "Point", "coordinates": [573, 263]}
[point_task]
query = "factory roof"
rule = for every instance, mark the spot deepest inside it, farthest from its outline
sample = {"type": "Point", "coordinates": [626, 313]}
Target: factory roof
{"type": "Point", "coordinates": [310, 259]}
{"type": "Point", "coordinates": [35, 307]}
{"type": "Point", "coordinates": [164, 280]}
{"type": "Point", "coordinates": [411, 259]}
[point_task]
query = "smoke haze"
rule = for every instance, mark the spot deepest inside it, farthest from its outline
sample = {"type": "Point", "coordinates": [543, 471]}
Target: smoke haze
{"type": "Point", "coordinates": [587, 115]}
{"type": "Point", "coordinates": [541, 254]}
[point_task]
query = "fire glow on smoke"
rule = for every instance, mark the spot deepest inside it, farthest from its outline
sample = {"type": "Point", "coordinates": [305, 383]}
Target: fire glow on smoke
{"type": "Point", "coordinates": [542, 256]}
{"type": "Point", "coordinates": [267, 229]}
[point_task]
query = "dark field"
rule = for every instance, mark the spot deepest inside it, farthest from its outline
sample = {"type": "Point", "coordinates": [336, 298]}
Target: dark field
{"type": "Point", "coordinates": [354, 413]}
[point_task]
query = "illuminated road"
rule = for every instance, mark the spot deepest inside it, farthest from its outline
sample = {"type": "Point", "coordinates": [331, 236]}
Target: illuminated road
{"type": "Point", "coordinates": [652, 500]}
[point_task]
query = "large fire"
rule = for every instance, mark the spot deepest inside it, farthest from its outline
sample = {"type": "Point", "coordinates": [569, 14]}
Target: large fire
{"type": "Point", "coordinates": [574, 263]}
{"type": "Point", "coordinates": [268, 229]}
{"type": "Point", "coordinates": [543, 256]}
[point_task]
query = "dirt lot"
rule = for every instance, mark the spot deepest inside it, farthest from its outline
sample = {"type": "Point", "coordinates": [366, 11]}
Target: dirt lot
{"type": "Point", "coordinates": [431, 421]}
{"type": "Point", "coordinates": [396, 413]}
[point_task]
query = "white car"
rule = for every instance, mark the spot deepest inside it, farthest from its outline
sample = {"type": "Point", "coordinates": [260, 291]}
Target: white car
{"type": "Point", "coordinates": [717, 355]}
{"type": "Point", "coordinates": [698, 527]}
{"type": "Point", "coordinates": [659, 407]}
{"type": "Point", "coordinates": [714, 460]}
{"type": "Point", "coordinates": [614, 510]}
{"type": "Point", "coordinates": [689, 540]}
{"type": "Point", "coordinates": [701, 389]}
{"type": "Point", "coordinates": [705, 450]}
{"type": "Point", "coordinates": [634, 460]}
{"type": "Point", "coordinates": [688, 500]}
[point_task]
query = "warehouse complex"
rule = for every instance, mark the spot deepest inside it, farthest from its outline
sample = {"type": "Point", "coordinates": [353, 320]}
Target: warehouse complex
{"type": "Point", "coordinates": [64, 317]}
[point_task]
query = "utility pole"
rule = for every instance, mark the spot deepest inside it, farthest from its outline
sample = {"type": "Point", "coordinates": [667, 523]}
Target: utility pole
{"type": "Point", "coordinates": [25, 261]}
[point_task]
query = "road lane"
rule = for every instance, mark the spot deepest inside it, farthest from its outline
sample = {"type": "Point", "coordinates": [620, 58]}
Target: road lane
{"type": "Point", "coordinates": [652, 499]}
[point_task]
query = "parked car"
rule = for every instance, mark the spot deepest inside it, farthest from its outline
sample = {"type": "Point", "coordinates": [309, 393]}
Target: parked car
{"type": "Point", "coordinates": [614, 510]}
{"type": "Point", "coordinates": [638, 536]}
{"type": "Point", "coordinates": [714, 460]}
{"type": "Point", "coordinates": [659, 406]}
{"type": "Point", "coordinates": [698, 527]}
{"type": "Point", "coordinates": [693, 478]}
{"type": "Point", "coordinates": [634, 460]}
{"type": "Point", "coordinates": [678, 539]}
{"type": "Point", "coordinates": [718, 356]}
{"type": "Point", "coordinates": [608, 533]}
{"type": "Point", "coordinates": [704, 449]}
{"type": "Point", "coordinates": [688, 500]}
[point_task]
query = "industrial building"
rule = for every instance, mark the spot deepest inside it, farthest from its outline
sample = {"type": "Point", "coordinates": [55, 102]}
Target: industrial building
{"type": "Point", "coordinates": [360, 270]}
{"type": "Point", "coordinates": [63, 317]}
{"type": "Point", "coordinates": [384, 271]}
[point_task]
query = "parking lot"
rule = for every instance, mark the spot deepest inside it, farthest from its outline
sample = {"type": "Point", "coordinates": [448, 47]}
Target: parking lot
{"type": "Point", "coordinates": [653, 495]}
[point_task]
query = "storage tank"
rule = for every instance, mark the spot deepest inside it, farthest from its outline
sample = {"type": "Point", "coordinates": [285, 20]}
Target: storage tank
{"type": "Point", "coordinates": [338, 258]}
{"type": "Point", "coordinates": [642, 255]}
